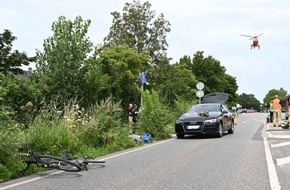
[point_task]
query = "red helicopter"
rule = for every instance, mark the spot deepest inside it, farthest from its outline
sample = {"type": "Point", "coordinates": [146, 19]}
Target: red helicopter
{"type": "Point", "coordinates": [255, 40]}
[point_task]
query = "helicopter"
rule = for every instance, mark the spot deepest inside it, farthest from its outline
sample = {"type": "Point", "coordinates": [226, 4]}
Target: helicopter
{"type": "Point", "coordinates": [255, 40]}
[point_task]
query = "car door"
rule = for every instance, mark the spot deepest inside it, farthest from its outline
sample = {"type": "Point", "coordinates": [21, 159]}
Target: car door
{"type": "Point", "coordinates": [224, 117]}
{"type": "Point", "coordinates": [227, 116]}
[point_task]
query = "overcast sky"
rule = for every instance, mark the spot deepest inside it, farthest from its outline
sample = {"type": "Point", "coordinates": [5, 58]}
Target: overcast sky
{"type": "Point", "coordinates": [212, 26]}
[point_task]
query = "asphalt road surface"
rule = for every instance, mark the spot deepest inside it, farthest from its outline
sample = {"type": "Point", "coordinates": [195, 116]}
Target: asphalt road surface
{"type": "Point", "coordinates": [245, 160]}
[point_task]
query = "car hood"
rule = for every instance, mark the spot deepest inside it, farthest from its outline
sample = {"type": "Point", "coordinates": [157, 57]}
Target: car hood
{"type": "Point", "coordinates": [196, 116]}
{"type": "Point", "coordinates": [221, 98]}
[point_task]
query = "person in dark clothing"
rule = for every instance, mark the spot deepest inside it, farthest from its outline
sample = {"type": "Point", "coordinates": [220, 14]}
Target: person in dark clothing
{"type": "Point", "coordinates": [135, 113]}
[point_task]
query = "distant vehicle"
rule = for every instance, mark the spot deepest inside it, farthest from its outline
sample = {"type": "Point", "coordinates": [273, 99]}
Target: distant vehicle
{"type": "Point", "coordinates": [250, 111]}
{"type": "Point", "coordinates": [210, 117]}
{"type": "Point", "coordinates": [255, 40]}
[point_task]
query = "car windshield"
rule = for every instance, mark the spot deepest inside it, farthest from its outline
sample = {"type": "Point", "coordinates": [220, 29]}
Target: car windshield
{"type": "Point", "coordinates": [204, 108]}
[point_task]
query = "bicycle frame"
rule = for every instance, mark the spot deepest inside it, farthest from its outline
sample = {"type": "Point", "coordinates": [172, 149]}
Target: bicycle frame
{"type": "Point", "coordinates": [48, 161]}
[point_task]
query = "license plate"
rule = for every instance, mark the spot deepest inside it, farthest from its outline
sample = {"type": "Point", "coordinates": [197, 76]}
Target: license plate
{"type": "Point", "coordinates": [192, 126]}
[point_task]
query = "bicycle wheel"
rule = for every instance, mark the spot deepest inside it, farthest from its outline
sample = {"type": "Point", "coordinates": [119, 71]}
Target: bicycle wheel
{"type": "Point", "coordinates": [58, 163]}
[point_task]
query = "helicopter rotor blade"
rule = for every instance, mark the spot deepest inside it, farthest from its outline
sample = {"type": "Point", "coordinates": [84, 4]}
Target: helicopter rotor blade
{"type": "Point", "coordinates": [256, 36]}
{"type": "Point", "coordinates": [247, 35]}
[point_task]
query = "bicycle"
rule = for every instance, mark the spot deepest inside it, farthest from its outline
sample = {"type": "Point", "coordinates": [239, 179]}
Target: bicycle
{"type": "Point", "coordinates": [48, 161]}
{"type": "Point", "coordinates": [53, 162]}
{"type": "Point", "coordinates": [83, 162]}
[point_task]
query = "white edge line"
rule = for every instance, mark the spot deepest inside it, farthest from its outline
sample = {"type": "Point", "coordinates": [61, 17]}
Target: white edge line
{"type": "Point", "coordinates": [273, 177]}
{"type": "Point", "coordinates": [128, 152]}
{"type": "Point", "coordinates": [106, 158]}
{"type": "Point", "coordinates": [28, 181]}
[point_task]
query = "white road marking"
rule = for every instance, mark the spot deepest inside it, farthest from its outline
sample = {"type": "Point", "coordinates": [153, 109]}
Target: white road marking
{"type": "Point", "coordinates": [280, 144]}
{"type": "Point", "coordinates": [27, 181]}
{"type": "Point", "coordinates": [273, 177]}
{"type": "Point", "coordinates": [134, 150]}
{"type": "Point", "coordinates": [106, 158]}
{"type": "Point", "coordinates": [282, 161]}
{"type": "Point", "coordinates": [277, 136]}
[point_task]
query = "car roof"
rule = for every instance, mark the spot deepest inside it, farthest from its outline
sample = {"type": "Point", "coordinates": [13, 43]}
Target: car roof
{"type": "Point", "coordinates": [221, 98]}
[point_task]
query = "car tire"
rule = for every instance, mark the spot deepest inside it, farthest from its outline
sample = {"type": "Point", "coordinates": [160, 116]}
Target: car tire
{"type": "Point", "coordinates": [180, 136]}
{"type": "Point", "coordinates": [232, 129]}
{"type": "Point", "coordinates": [220, 131]}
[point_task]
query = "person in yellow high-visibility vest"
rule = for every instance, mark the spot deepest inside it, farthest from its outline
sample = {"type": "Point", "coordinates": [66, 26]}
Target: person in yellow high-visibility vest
{"type": "Point", "coordinates": [271, 111]}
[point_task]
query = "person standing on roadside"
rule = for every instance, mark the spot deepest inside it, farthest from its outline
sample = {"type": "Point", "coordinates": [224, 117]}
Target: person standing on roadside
{"type": "Point", "coordinates": [135, 113]}
{"type": "Point", "coordinates": [130, 113]}
{"type": "Point", "coordinates": [271, 111]}
{"type": "Point", "coordinates": [276, 111]}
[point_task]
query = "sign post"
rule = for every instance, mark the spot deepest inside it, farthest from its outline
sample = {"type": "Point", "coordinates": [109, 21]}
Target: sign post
{"type": "Point", "coordinates": [200, 92]}
{"type": "Point", "coordinates": [143, 81]}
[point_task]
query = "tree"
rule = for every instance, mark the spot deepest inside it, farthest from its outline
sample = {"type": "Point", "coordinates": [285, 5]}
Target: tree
{"type": "Point", "coordinates": [249, 101]}
{"type": "Point", "coordinates": [271, 94]}
{"type": "Point", "coordinates": [68, 62]}
{"type": "Point", "coordinates": [10, 62]}
{"type": "Point", "coordinates": [230, 87]}
{"type": "Point", "coordinates": [138, 28]}
{"type": "Point", "coordinates": [209, 71]}
{"type": "Point", "coordinates": [174, 82]}
{"type": "Point", "coordinates": [123, 65]}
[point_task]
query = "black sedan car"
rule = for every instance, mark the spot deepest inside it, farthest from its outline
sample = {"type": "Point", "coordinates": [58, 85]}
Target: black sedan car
{"type": "Point", "coordinates": [210, 117]}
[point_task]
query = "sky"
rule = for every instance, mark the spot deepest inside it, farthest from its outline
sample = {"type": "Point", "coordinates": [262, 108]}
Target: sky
{"type": "Point", "coordinates": [211, 26]}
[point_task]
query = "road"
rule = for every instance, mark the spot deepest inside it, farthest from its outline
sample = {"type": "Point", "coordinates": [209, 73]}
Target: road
{"type": "Point", "coordinates": [253, 158]}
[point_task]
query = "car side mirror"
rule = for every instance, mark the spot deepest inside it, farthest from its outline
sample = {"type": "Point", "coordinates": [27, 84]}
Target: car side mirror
{"type": "Point", "coordinates": [224, 111]}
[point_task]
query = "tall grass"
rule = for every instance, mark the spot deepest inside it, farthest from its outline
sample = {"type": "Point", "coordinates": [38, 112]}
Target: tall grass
{"type": "Point", "coordinates": [49, 134]}
{"type": "Point", "coordinates": [101, 126]}
{"type": "Point", "coordinates": [80, 130]}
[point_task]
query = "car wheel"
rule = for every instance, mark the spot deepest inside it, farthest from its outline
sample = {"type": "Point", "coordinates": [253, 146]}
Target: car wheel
{"type": "Point", "coordinates": [220, 130]}
{"type": "Point", "coordinates": [180, 136]}
{"type": "Point", "coordinates": [231, 130]}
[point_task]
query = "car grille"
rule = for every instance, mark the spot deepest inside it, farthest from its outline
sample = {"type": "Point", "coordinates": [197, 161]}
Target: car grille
{"type": "Point", "coordinates": [186, 125]}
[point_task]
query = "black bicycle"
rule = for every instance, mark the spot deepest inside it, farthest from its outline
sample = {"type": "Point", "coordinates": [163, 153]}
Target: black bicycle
{"type": "Point", "coordinates": [48, 161]}
{"type": "Point", "coordinates": [67, 164]}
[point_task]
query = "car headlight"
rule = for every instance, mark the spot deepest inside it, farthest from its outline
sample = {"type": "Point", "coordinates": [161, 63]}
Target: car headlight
{"type": "Point", "coordinates": [210, 121]}
{"type": "Point", "coordinates": [178, 122]}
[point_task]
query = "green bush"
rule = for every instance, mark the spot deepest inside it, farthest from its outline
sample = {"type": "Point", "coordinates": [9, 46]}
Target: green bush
{"type": "Point", "coordinates": [154, 116]}
{"type": "Point", "coordinates": [9, 163]}
{"type": "Point", "coordinates": [20, 98]}
{"type": "Point", "coordinates": [5, 110]}
{"type": "Point", "coordinates": [11, 168]}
